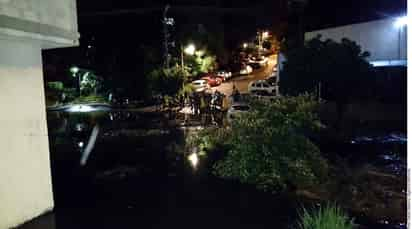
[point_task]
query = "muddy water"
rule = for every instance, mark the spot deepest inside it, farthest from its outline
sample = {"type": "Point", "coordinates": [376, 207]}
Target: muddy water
{"type": "Point", "coordinates": [140, 174]}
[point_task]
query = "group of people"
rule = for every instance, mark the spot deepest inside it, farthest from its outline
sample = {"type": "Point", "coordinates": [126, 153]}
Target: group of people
{"type": "Point", "coordinates": [204, 102]}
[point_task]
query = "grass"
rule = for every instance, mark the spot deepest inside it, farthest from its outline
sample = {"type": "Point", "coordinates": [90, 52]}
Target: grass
{"type": "Point", "coordinates": [328, 217]}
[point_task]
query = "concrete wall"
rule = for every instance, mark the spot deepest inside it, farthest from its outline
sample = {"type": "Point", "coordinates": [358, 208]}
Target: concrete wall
{"type": "Point", "coordinates": [25, 180]}
{"type": "Point", "coordinates": [51, 22]}
{"type": "Point", "coordinates": [27, 27]}
{"type": "Point", "coordinates": [381, 38]}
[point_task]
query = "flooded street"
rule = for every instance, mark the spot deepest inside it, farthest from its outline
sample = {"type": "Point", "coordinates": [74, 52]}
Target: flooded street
{"type": "Point", "coordinates": [138, 172]}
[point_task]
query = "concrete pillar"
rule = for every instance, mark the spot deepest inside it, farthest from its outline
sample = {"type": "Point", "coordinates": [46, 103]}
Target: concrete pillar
{"type": "Point", "coordinates": [27, 27]}
{"type": "Point", "coordinates": [25, 179]}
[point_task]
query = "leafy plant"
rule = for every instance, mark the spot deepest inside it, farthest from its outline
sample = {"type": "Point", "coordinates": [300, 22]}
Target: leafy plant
{"type": "Point", "coordinates": [167, 81]}
{"type": "Point", "coordinates": [267, 146]}
{"type": "Point", "coordinates": [55, 86]}
{"type": "Point", "coordinates": [328, 217]}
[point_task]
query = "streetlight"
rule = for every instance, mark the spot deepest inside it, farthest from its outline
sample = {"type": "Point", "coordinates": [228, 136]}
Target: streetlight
{"type": "Point", "coordinates": [74, 70]}
{"type": "Point", "coordinates": [189, 50]}
{"type": "Point", "coordinates": [400, 23]}
{"type": "Point", "coordinates": [265, 35]}
{"type": "Point", "coordinates": [244, 45]}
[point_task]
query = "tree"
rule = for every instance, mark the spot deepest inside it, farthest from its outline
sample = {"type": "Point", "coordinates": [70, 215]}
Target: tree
{"type": "Point", "coordinates": [267, 146]}
{"type": "Point", "coordinates": [340, 68]}
{"type": "Point", "coordinates": [167, 81]}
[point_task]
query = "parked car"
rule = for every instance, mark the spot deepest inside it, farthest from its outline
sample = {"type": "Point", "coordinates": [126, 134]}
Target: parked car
{"type": "Point", "coordinates": [200, 85]}
{"type": "Point", "coordinates": [236, 109]}
{"type": "Point", "coordinates": [262, 61]}
{"type": "Point", "coordinates": [262, 95]}
{"type": "Point", "coordinates": [262, 87]}
{"type": "Point", "coordinates": [212, 80]}
{"type": "Point", "coordinates": [224, 74]}
{"type": "Point", "coordinates": [246, 70]}
{"type": "Point", "coordinates": [272, 80]}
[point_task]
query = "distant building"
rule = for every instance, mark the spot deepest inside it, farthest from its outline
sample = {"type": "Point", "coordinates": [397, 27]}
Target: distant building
{"type": "Point", "coordinates": [385, 39]}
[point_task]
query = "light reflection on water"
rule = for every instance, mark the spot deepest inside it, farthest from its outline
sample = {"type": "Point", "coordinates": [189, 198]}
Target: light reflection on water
{"type": "Point", "coordinates": [194, 160]}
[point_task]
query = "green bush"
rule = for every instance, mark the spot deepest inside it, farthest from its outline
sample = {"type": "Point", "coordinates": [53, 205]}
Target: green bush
{"type": "Point", "coordinates": [329, 217]}
{"type": "Point", "coordinates": [90, 99]}
{"type": "Point", "coordinates": [55, 86]}
{"type": "Point", "coordinates": [266, 146]}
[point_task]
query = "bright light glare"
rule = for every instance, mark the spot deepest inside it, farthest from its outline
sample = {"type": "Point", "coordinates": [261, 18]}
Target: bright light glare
{"type": "Point", "coordinates": [81, 144]}
{"type": "Point", "coordinates": [265, 35]}
{"type": "Point", "coordinates": [401, 21]}
{"type": "Point", "coordinates": [190, 49]}
{"type": "Point", "coordinates": [194, 160]}
{"type": "Point", "coordinates": [81, 108]}
{"type": "Point", "coordinates": [74, 70]}
{"type": "Point", "coordinates": [244, 45]}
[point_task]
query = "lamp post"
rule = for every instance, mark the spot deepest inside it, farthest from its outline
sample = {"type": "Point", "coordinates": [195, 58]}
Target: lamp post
{"type": "Point", "coordinates": [74, 70]}
{"type": "Point", "coordinates": [262, 36]}
{"type": "Point", "coordinates": [189, 50]}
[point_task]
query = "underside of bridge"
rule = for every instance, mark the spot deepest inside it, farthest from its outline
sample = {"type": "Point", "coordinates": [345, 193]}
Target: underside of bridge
{"type": "Point", "coordinates": [26, 28]}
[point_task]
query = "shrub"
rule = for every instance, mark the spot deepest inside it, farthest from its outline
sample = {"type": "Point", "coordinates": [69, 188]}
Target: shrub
{"type": "Point", "coordinates": [55, 86]}
{"type": "Point", "coordinates": [266, 147]}
{"type": "Point", "coordinates": [90, 99]}
{"type": "Point", "coordinates": [329, 217]}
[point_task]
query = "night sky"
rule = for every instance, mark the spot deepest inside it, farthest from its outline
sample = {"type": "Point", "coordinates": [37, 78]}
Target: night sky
{"type": "Point", "coordinates": [122, 17]}
{"type": "Point", "coordinates": [119, 30]}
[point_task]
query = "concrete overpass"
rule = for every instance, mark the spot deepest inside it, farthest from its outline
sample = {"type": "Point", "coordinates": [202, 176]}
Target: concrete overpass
{"type": "Point", "coordinates": [26, 28]}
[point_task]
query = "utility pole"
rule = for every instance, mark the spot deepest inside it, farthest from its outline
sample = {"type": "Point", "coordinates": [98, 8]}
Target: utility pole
{"type": "Point", "coordinates": [259, 33]}
{"type": "Point", "coordinates": [166, 23]}
{"type": "Point", "coordinates": [319, 91]}
{"type": "Point", "coordinates": [182, 58]}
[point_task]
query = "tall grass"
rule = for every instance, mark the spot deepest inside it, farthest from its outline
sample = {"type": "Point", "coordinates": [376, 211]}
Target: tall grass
{"type": "Point", "coordinates": [327, 217]}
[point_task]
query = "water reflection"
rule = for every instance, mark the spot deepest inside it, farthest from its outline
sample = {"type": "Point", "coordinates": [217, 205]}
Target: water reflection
{"type": "Point", "coordinates": [194, 160]}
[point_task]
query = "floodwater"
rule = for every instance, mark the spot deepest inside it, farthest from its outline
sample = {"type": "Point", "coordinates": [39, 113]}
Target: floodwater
{"type": "Point", "coordinates": [137, 173]}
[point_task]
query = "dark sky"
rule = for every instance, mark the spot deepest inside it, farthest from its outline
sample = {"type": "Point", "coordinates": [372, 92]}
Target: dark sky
{"type": "Point", "coordinates": [123, 17]}
{"type": "Point", "coordinates": [319, 12]}
{"type": "Point", "coordinates": [324, 13]}
{"type": "Point", "coordinates": [128, 25]}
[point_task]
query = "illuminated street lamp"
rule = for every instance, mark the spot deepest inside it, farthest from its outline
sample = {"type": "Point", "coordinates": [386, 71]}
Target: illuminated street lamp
{"type": "Point", "coordinates": [74, 70]}
{"type": "Point", "coordinates": [265, 35]}
{"type": "Point", "coordinates": [244, 45]}
{"type": "Point", "coordinates": [189, 50]}
{"type": "Point", "coordinates": [401, 22]}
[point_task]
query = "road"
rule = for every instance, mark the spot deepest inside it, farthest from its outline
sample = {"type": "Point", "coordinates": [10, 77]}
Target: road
{"type": "Point", "coordinates": [242, 82]}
